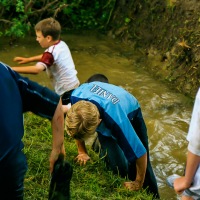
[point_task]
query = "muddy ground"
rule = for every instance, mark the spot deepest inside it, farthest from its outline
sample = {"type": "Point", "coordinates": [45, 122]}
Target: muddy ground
{"type": "Point", "coordinates": [168, 33]}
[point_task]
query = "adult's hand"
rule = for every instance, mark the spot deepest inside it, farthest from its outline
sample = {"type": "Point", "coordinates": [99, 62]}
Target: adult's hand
{"type": "Point", "coordinates": [54, 157]}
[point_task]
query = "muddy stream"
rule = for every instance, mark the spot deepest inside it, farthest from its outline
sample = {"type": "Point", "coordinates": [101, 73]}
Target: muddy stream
{"type": "Point", "coordinates": [166, 112]}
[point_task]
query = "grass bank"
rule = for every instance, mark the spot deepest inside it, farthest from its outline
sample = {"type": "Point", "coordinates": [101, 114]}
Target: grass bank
{"type": "Point", "coordinates": [90, 182]}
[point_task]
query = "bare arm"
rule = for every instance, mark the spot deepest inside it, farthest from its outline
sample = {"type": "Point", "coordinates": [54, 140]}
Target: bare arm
{"type": "Point", "coordinates": [82, 157]}
{"type": "Point", "coordinates": [35, 69]}
{"type": "Point", "coordinates": [193, 158]}
{"type": "Point", "coordinates": [141, 165]}
{"type": "Point", "coordinates": [182, 183]}
{"type": "Point", "coordinates": [23, 60]}
{"type": "Point", "coordinates": [58, 135]}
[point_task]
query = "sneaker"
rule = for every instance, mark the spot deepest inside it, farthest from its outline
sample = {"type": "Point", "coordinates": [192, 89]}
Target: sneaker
{"type": "Point", "coordinates": [170, 180]}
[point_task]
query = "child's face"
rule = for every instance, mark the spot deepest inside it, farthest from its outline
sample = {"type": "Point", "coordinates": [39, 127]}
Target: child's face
{"type": "Point", "coordinates": [43, 41]}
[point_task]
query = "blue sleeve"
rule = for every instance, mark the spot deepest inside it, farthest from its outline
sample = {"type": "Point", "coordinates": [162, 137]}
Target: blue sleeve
{"type": "Point", "coordinates": [36, 98]}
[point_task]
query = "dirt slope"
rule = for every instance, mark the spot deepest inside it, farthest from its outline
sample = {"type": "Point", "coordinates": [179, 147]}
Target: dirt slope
{"type": "Point", "coordinates": [168, 33]}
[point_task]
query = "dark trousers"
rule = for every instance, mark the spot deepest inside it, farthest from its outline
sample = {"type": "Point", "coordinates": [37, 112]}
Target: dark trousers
{"type": "Point", "coordinates": [150, 180]}
{"type": "Point", "coordinates": [12, 171]}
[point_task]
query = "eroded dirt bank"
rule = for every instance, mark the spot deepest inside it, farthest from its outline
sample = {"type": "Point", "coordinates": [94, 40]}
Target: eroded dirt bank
{"type": "Point", "coordinates": [168, 31]}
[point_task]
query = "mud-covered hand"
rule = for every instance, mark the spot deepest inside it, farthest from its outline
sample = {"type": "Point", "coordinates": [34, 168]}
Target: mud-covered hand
{"type": "Point", "coordinates": [133, 185]}
{"type": "Point", "coordinates": [82, 158]}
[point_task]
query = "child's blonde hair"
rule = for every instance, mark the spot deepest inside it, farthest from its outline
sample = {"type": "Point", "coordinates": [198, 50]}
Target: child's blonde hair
{"type": "Point", "coordinates": [50, 27]}
{"type": "Point", "coordinates": [82, 119]}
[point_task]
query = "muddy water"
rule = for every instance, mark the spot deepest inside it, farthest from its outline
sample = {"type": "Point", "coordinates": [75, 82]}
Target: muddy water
{"type": "Point", "coordinates": [167, 113]}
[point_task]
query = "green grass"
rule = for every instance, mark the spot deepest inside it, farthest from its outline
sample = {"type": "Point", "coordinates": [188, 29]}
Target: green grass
{"type": "Point", "coordinates": [90, 182]}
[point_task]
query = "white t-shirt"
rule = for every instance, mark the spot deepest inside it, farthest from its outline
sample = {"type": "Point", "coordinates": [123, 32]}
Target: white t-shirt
{"type": "Point", "coordinates": [194, 130]}
{"type": "Point", "coordinates": [62, 72]}
{"type": "Point", "coordinates": [194, 140]}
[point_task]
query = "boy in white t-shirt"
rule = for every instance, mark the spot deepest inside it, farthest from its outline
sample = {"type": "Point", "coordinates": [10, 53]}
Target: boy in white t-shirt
{"type": "Point", "coordinates": [188, 186]}
{"type": "Point", "coordinates": [56, 60]}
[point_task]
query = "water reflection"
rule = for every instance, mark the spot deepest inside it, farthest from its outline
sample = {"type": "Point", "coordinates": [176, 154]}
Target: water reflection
{"type": "Point", "coordinates": [167, 113]}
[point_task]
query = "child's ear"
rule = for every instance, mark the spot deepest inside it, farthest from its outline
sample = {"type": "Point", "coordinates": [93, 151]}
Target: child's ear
{"type": "Point", "coordinates": [49, 38]}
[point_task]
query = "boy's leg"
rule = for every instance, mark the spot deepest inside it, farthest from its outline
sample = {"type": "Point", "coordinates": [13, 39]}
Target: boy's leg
{"type": "Point", "coordinates": [141, 130]}
{"type": "Point", "coordinates": [12, 172]}
{"type": "Point", "coordinates": [117, 162]}
{"type": "Point", "coordinates": [113, 155]}
{"type": "Point", "coordinates": [150, 181]}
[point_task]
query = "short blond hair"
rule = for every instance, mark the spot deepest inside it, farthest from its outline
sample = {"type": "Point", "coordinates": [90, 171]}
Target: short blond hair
{"type": "Point", "coordinates": [82, 119]}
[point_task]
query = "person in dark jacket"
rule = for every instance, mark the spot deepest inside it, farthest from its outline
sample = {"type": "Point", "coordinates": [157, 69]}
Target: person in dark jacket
{"type": "Point", "coordinates": [19, 95]}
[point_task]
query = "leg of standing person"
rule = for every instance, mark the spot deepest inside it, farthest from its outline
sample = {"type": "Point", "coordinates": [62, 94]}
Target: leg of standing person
{"type": "Point", "coordinates": [12, 182]}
